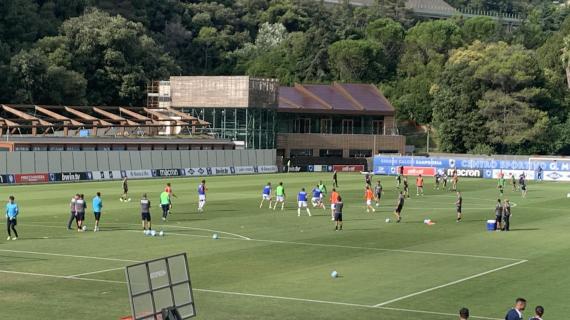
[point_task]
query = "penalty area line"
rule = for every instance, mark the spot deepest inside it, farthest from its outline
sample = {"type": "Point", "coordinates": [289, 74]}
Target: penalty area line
{"type": "Point", "coordinates": [255, 295]}
{"type": "Point", "coordinates": [448, 284]}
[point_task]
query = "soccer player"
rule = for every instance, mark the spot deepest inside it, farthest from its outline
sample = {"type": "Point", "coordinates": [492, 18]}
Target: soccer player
{"type": "Point", "coordinates": [369, 195]}
{"type": "Point", "coordinates": [501, 186]}
{"type": "Point", "coordinates": [538, 313]}
{"type": "Point", "coordinates": [522, 183]}
{"type": "Point", "coordinates": [80, 206]}
{"type": "Point", "coordinates": [12, 211]}
{"type": "Point", "coordinates": [202, 195]}
{"type": "Point", "coordinates": [168, 189]}
{"type": "Point", "coordinates": [125, 196]}
{"type": "Point", "coordinates": [145, 213]}
{"type": "Point", "coordinates": [437, 179]}
{"type": "Point", "coordinates": [539, 175]}
{"type": "Point", "coordinates": [507, 215]}
{"type": "Point", "coordinates": [338, 214]}
{"type": "Point", "coordinates": [266, 195]}
{"type": "Point", "coordinates": [368, 179]}
{"type": "Point", "coordinates": [335, 179]}
{"type": "Point", "coordinates": [459, 204]}
{"type": "Point", "coordinates": [514, 182]}
{"type": "Point", "coordinates": [378, 190]}
{"type": "Point", "coordinates": [499, 215]}
{"type": "Point", "coordinates": [97, 207]}
{"type": "Point", "coordinates": [302, 201]}
{"type": "Point", "coordinates": [444, 178]}
{"type": "Point", "coordinates": [165, 204]}
{"type": "Point", "coordinates": [333, 199]}
{"type": "Point", "coordinates": [399, 207]}
{"type": "Point", "coordinates": [454, 180]}
{"type": "Point", "coordinates": [464, 314]}
{"type": "Point", "coordinates": [317, 200]}
{"type": "Point", "coordinates": [398, 181]}
{"type": "Point", "coordinates": [323, 188]}
{"type": "Point", "coordinates": [280, 196]}
{"type": "Point", "coordinates": [73, 213]}
{"type": "Point", "coordinates": [406, 188]}
{"type": "Point", "coordinates": [419, 185]}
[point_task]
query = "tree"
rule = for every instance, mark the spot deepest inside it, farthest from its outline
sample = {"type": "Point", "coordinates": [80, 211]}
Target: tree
{"type": "Point", "coordinates": [566, 58]}
{"type": "Point", "coordinates": [389, 34]}
{"type": "Point", "coordinates": [481, 28]}
{"type": "Point", "coordinates": [356, 60]}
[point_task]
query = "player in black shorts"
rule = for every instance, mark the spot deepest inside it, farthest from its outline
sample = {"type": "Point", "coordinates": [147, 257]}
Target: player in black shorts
{"type": "Point", "coordinates": [399, 207]}
{"type": "Point", "coordinates": [459, 204]}
{"type": "Point", "coordinates": [499, 215]}
{"type": "Point", "coordinates": [506, 215]}
{"type": "Point", "coordinates": [125, 196]}
{"type": "Point", "coordinates": [338, 214]}
{"type": "Point", "coordinates": [145, 213]}
{"type": "Point", "coordinates": [378, 192]}
{"type": "Point", "coordinates": [406, 188]}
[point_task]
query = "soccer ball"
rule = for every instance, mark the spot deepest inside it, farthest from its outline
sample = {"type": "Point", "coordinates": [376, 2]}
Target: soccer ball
{"type": "Point", "coordinates": [152, 233]}
{"type": "Point", "coordinates": [129, 199]}
{"type": "Point", "coordinates": [215, 236]}
{"type": "Point", "coordinates": [146, 232]}
{"type": "Point", "coordinates": [84, 228]}
{"type": "Point", "coordinates": [161, 233]}
{"type": "Point", "coordinates": [334, 274]}
{"type": "Point", "coordinates": [387, 220]}
{"type": "Point", "coordinates": [568, 195]}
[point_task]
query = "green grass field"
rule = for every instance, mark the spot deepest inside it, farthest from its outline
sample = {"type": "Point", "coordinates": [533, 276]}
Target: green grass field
{"type": "Point", "coordinates": [387, 270]}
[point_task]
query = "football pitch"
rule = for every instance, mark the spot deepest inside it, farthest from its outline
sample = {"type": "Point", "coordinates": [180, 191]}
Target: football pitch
{"type": "Point", "coordinates": [274, 265]}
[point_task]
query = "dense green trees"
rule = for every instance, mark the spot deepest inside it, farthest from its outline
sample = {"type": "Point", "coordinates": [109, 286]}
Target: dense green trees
{"type": "Point", "coordinates": [479, 86]}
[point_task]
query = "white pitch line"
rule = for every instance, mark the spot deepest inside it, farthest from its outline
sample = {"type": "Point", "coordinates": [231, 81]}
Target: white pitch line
{"type": "Point", "coordinates": [448, 284]}
{"type": "Point", "coordinates": [189, 235]}
{"type": "Point", "coordinates": [255, 295]}
{"type": "Point", "coordinates": [95, 272]}
{"type": "Point", "coordinates": [68, 255]}
{"type": "Point", "coordinates": [210, 230]}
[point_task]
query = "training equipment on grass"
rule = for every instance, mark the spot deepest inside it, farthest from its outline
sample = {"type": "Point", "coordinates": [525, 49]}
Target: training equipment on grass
{"type": "Point", "coordinates": [491, 225]}
{"type": "Point", "coordinates": [146, 232]}
{"type": "Point", "coordinates": [387, 220]}
{"type": "Point", "coordinates": [215, 236]}
{"type": "Point", "coordinates": [568, 195]}
{"type": "Point", "coordinates": [428, 222]}
{"type": "Point", "coordinates": [161, 233]}
{"type": "Point", "coordinates": [334, 274]}
{"type": "Point", "coordinates": [153, 233]}
{"type": "Point", "coordinates": [161, 289]}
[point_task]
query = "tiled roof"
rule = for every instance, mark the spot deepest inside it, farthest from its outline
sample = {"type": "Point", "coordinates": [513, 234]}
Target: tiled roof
{"type": "Point", "coordinates": [336, 98]}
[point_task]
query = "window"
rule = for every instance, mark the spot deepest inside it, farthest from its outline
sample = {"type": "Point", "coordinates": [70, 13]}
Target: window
{"type": "Point", "coordinates": [56, 148]}
{"type": "Point", "coordinates": [333, 153]}
{"type": "Point", "coordinates": [360, 153]}
{"type": "Point", "coordinates": [378, 127]}
{"type": "Point", "coordinates": [73, 147]}
{"type": "Point", "coordinates": [301, 153]}
{"type": "Point", "coordinates": [303, 125]}
{"type": "Point", "coordinates": [39, 148]}
{"type": "Point", "coordinates": [118, 147]}
{"type": "Point", "coordinates": [88, 147]}
{"type": "Point", "coordinates": [347, 126]}
{"type": "Point", "coordinates": [326, 125]}
{"type": "Point", "coordinates": [22, 148]}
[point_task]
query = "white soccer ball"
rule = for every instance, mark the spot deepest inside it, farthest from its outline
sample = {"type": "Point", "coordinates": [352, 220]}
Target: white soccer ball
{"type": "Point", "coordinates": [153, 233]}
{"type": "Point", "coordinates": [129, 199]}
{"type": "Point", "coordinates": [568, 195]}
{"type": "Point", "coordinates": [215, 236]}
{"type": "Point", "coordinates": [334, 274]}
{"type": "Point", "coordinates": [387, 220]}
{"type": "Point", "coordinates": [161, 233]}
{"type": "Point", "coordinates": [84, 228]}
{"type": "Point", "coordinates": [146, 232]}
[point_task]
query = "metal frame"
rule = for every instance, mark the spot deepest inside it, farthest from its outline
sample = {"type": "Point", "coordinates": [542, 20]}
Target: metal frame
{"type": "Point", "coordinates": [152, 290]}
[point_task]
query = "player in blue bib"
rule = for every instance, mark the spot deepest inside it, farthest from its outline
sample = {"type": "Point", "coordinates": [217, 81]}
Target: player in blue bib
{"type": "Point", "coordinates": [317, 200]}
{"type": "Point", "coordinates": [202, 195]}
{"type": "Point", "coordinates": [302, 199]}
{"type": "Point", "coordinates": [266, 195]}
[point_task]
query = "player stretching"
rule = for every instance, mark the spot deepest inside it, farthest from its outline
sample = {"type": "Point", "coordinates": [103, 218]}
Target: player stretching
{"type": "Point", "coordinates": [202, 196]}
{"type": "Point", "coordinates": [335, 180]}
{"type": "Point", "coordinates": [369, 195]}
{"type": "Point", "coordinates": [97, 207]}
{"type": "Point", "coordinates": [302, 200]}
{"type": "Point", "coordinates": [12, 211]}
{"type": "Point", "coordinates": [80, 206]}
{"type": "Point", "coordinates": [145, 213]}
{"type": "Point", "coordinates": [459, 204]}
{"type": "Point", "coordinates": [280, 196]}
{"type": "Point", "coordinates": [125, 196]}
{"type": "Point", "coordinates": [406, 188]}
{"type": "Point", "coordinates": [338, 215]}
{"type": "Point", "coordinates": [165, 204]}
{"type": "Point", "coordinates": [266, 195]}
{"type": "Point", "coordinates": [399, 207]}
{"type": "Point", "coordinates": [419, 185]}
{"type": "Point", "coordinates": [168, 189]}
{"type": "Point", "coordinates": [317, 200]}
{"type": "Point", "coordinates": [333, 199]}
{"type": "Point", "coordinates": [378, 192]}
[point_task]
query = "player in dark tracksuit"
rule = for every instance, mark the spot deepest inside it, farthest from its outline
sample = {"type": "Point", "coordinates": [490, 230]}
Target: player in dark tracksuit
{"type": "Point", "coordinates": [506, 215]}
{"type": "Point", "coordinates": [499, 215]}
{"type": "Point", "coordinates": [73, 213]}
{"type": "Point", "coordinates": [399, 207]}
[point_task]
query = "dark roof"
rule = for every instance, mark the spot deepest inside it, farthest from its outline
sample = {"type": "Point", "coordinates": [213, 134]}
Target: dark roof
{"type": "Point", "coordinates": [102, 140]}
{"type": "Point", "coordinates": [337, 98]}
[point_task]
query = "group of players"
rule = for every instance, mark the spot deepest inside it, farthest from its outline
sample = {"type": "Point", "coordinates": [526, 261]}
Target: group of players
{"type": "Point", "coordinates": [78, 206]}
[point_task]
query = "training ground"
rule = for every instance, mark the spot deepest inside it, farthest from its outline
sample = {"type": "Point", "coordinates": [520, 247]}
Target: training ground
{"type": "Point", "coordinates": [275, 265]}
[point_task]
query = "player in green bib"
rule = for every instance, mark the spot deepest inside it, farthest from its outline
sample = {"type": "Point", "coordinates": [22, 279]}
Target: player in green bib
{"type": "Point", "coordinates": [501, 185]}
{"type": "Point", "coordinates": [280, 195]}
{"type": "Point", "coordinates": [165, 204]}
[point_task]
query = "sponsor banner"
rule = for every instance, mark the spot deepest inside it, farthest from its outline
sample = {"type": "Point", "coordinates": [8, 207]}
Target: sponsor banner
{"type": "Point", "coordinates": [222, 170]}
{"type": "Point", "coordinates": [529, 174]}
{"type": "Point", "coordinates": [416, 171]}
{"type": "Point", "coordinates": [348, 168]}
{"type": "Point", "coordinates": [70, 176]}
{"type": "Point", "coordinates": [412, 161]}
{"type": "Point", "coordinates": [106, 175]}
{"type": "Point", "coordinates": [197, 171]}
{"type": "Point", "coordinates": [291, 169]}
{"type": "Point", "coordinates": [556, 176]}
{"type": "Point", "coordinates": [385, 170]}
{"type": "Point", "coordinates": [7, 178]}
{"type": "Point", "coordinates": [244, 170]}
{"type": "Point", "coordinates": [469, 173]}
{"type": "Point", "coordinates": [168, 172]}
{"type": "Point", "coordinates": [270, 169]}
{"type": "Point", "coordinates": [32, 177]}
{"type": "Point", "coordinates": [137, 174]}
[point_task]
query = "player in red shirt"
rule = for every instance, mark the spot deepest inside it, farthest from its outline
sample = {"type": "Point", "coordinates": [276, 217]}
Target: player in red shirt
{"type": "Point", "coordinates": [168, 189]}
{"type": "Point", "coordinates": [333, 200]}
{"type": "Point", "coordinates": [419, 185]}
{"type": "Point", "coordinates": [369, 196]}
